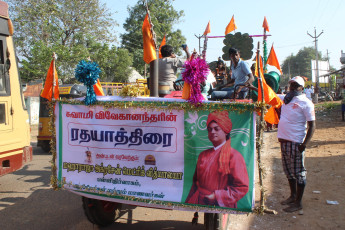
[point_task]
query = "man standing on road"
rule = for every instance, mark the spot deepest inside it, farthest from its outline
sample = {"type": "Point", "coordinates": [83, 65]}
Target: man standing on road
{"type": "Point", "coordinates": [308, 92]}
{"type": "Point", "coordinates": [295, 130]}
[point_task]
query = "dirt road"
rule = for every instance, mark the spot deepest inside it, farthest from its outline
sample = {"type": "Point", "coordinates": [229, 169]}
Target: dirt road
{"type": "Point", "coordinates": [325, 163]}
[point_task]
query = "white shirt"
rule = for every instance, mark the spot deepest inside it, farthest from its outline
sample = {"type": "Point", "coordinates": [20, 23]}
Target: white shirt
{"type": "Point", "coordinates": [308, 92]}
{"type": "Point", "coordinates": [208, 84]}
{"type": "Point", "coordinates": [294, 117]}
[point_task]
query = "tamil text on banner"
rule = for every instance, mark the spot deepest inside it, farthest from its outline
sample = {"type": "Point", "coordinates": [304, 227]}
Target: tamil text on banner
{"type": "Point", "coordinates": [168, 158]}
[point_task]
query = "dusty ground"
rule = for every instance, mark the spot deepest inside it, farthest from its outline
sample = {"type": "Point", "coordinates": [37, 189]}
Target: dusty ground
{"type": "Point", "coordinates": [325, 163]}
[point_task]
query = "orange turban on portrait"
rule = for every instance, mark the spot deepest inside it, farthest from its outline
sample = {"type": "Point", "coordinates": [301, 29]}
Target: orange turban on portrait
{"type": "Point", "coordinates": [222, 119]}
{"type": "Point", "coordinates": [224, 122]}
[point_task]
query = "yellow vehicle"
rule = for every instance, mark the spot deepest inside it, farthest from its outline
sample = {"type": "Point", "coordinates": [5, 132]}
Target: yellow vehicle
{"type": "Point", "coordinates": [15, 148]}
{"type": "Point", "coordinates": [114, 88]}
{"type": "Point", "coordinates": [44, 134]}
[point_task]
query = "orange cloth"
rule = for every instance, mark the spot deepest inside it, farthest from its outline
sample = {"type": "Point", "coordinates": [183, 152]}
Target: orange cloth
{"type": "Point", "coordinates": [186, 91]}
{"type": "Point", "coordinates": [98, 88]}
{"type": "Point", "coordinates": [265, 25]}
{"type": "Point", "coordinates": [162, 44]}
{"type": "Point", "coordinates": [148, 43]}
{"type": "Point", "coordinates": [273, 60]}
{"type": "Point", "coordinates": [208, 29]}
{"type": "Point", "coordinates": [231, 26]}
{"type": "Point", "coordinates": [270, 97]}
{"type": "Point", "coordinates": [48, 85]}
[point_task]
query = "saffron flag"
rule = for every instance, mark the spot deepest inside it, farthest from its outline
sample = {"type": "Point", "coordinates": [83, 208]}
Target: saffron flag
{"type": "Point", "coordinates": [231, 26]}
{"type": "Point", "coordinates": [49, 86]}
{"type": "Point", "coordinates": [98, 88]}
{"type": "Point", "coordinates": [265, 25]}
{"type": "Point", "coordinates": [273, 60]}
{"type": "Point", "coordinates": [162, 44]}
{"type": "Point", "coordinates": [270, 97]}
{"type": "Point", "coordinates": [148, 43]}
{"type": "Point", "coordinates": [208, 29]}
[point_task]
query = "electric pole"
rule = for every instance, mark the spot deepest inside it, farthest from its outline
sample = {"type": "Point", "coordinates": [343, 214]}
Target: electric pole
{"type": "Point", "coordinates": [199, 37]}
{"type": "Point", "coordinates": [316, 98]}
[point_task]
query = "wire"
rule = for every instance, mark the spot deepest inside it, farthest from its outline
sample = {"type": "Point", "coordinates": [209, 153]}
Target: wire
{"type": "Point", "coordinates": [278, 47]}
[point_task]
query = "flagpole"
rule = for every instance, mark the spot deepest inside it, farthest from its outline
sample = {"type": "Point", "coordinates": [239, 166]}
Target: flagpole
{"type": "Point", "coordinates": [154, 63]}
{"type": "Point", "coordinates": [54, 82]}
{"type": "Point", "coordinates": [265, 51]}
{"type": "Point", "coordinates": [262, 208]}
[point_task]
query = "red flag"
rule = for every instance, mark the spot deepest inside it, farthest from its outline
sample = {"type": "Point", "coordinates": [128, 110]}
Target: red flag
{"type": "Point", "coordinates": [148, 43]}
{"type": "Point", "coordinates": [162, 44]}
{"type": "Point", "coordinates": [265, 25]}
{"type": "Point", "coordinates": [51, 84]}
{"type": "Point", "coordinates": [270, 97]}
{"type": "Point", "coordinates": [231, 26]}
{"type": "Point", "coordinates": [208, 29]}
{"type": "Point", "coordinates": [98, 88]}
{"type": "Point", "coordinates": [273, 60]}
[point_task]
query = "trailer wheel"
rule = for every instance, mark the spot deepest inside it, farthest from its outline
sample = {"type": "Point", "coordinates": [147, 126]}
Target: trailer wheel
{"type": "Point", "coordinates": [216, 221]}
{"type": "Point", "coordinates": [45, 146]}
{"type": "Point", "coordinates": [100, 212]}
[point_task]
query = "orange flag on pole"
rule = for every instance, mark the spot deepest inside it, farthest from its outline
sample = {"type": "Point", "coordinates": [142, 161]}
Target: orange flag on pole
{"type": "Point", "coordinates": [270, 97]}
{"type": "Point", "coordinates": [162, 44]}
{"type": "Point", "coordinates": [231, 26]}
{"type": "Point", "coordinates": [51, 85]}
{"type": "Point", "coordinates": [265, 25]}
{"type": "Point", "coordinates": [273, 60]}
{"type": "Point", "coordinates": [98, 88]}
{"type": "Point", "coordinates": [208, 29]}
{"type": "Point", "coordinates": [148, 43]}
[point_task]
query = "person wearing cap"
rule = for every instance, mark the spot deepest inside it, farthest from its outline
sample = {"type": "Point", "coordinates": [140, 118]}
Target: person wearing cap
{"type": "Point", "coordinates": [295, 130]}
{"type": "Point", "coordinates": [220, 177]}
{"type": "Point", "coordinates": [240, 75]}
{"type": "Point", "coordinates": [168, 65]}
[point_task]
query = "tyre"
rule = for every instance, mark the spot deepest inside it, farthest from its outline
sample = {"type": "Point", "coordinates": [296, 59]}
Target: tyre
{"type": "Point", "coordinates": [100, 212]}
{"type": "Point", "coordinates": [45, 146]}
{"type": "Point", "coordinates": [216, 221]}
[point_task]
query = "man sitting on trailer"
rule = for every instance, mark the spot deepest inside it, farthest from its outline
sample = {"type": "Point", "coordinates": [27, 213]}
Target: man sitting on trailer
{"type": "Point", "coordinates": [169, 63]}
{"type": "Point", "coordinates": [241, 74]}
{"type": "Point", "coordinates": [220, 177]}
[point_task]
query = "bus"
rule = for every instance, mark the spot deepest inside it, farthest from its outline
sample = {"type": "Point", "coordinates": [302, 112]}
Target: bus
{"type": "Point", "coordinates": [15, 148]}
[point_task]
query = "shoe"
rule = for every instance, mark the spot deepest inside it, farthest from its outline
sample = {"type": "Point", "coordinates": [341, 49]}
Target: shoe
{"type": "Point", "coordinates": [289, 200]}
{"type": "Point", "coordinates": [293, 208]}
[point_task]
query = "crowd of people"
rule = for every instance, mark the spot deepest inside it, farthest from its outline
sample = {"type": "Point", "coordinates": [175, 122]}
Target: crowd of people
{"type": "Point", "coordinates": [295, 130]}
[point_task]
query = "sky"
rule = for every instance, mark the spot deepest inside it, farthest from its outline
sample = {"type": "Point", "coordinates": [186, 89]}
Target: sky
{"type": "Point", "coordinates": [289, 22]}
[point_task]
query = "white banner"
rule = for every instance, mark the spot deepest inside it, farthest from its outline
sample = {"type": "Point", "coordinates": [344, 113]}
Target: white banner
{"type": "Point", "coordinates": [95, 138]}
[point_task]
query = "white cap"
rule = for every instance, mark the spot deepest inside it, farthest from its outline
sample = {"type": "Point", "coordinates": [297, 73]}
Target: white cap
{"type": "Point", "coordinates": [299, 80]}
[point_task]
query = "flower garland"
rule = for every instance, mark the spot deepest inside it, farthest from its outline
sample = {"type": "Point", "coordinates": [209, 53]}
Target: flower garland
{"type": "Point", "coordinates": [87, 72]}
{"type": "Point", "coordinates": [196, 71]}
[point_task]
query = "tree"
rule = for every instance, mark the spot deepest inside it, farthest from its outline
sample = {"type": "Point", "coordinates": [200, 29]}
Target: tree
{"type": "Point", "coordinates": [163, 17]}
{"type": "Point", "coordinates": [73, 29]}
{"type": "Point", "coordinates": [301, 63]}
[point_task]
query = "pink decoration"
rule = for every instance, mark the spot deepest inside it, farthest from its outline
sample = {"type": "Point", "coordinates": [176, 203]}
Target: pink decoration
{"type": "Point", "coordinates": [195, 73]}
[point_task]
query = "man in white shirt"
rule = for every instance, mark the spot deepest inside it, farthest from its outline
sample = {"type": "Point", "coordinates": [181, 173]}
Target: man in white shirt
{"type": "Point", "coordinates": [308, 92]}
{"type": "Point", "coordinates": [295, 130]}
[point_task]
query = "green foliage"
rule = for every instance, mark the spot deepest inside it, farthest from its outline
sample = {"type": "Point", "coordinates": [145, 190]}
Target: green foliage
{"type": "Point", "coordinates": [73, 29]}
{"type": "Point", "coordinates": [300, 65]}
{"type": "Point", "coordinates": [242, 42]}
{"type": "Point", "coordinates": [164, 17]}
{"type": "Point", "coordinates": [327, 107]}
